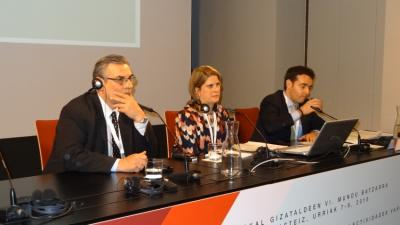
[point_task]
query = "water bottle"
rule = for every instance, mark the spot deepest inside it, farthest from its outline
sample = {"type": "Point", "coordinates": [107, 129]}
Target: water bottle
{"type": "Point", "coordinates": [231, 155]}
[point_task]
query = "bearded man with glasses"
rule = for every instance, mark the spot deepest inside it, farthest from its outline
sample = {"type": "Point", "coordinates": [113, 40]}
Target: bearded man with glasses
{"type": "Point", "coordinates": [104, 130]}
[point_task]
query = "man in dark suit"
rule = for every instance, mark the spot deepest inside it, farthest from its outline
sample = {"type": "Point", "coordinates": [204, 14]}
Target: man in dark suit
{"type": "Point", "coordinates": [104, 130]}
{"type": "Point", "coordinates": [286, 116]}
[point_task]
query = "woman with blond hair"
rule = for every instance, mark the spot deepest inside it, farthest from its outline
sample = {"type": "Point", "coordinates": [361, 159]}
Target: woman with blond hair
{"type": "Point", "coordinates": [202, 120]}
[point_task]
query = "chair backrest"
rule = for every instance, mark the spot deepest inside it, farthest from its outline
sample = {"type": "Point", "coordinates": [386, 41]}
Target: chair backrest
{"type": "Point", "coordinates": [246, 129]}
{"type": "Point", "coordinates": [46, 132]}
{"type": "Point", "coordinates": [170, 120]}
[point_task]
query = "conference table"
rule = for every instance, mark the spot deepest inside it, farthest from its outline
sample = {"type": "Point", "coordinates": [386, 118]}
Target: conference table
{"type": "Point", "coordinates": [362, 188]}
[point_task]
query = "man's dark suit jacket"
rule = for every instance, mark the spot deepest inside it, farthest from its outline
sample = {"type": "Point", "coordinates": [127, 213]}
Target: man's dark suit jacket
{"type": "Point", "coordinates": [81, 138]}
{"type": "Point", "coordinates": [275, 121]}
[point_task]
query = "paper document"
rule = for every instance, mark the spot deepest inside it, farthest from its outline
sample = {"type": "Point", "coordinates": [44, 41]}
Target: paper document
{"type": "Point", "coordinates": [252, 146]}
{"type": "Point", "coordinates": [249, 148]}
{"type": "Point", "coordinates": [243, 155]}
{"type": "Point", "coordinates": [366, 134]}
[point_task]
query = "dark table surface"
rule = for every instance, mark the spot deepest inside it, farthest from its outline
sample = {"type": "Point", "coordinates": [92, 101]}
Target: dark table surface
{"type": "Point", "coordinates": [99, 196]}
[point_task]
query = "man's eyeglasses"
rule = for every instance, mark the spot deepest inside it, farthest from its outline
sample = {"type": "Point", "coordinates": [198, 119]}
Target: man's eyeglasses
{"type": "Point", "coordinates": [121, 80]}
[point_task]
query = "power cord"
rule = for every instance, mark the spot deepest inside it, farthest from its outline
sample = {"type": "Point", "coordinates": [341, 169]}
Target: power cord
{"type": "Point", "coordinates": [52, 217]}
{"type": "Point", "coordinates": [347, 151]}
{"type": "Point", "coordinates": [281, 159]}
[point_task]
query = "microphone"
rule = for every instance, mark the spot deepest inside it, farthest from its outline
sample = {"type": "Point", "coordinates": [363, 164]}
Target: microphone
{"type": "Point", "coordinates": [13, 195]}
{"type": "Point", "coordinates": [46, 207]}
{"type": "Point", "coordinates": [360, 147]}
{"type": "Point", "coordinates": [316, 109]}
{"type": "Point", "coordinates": [13, 212]}
{"type": "Point", "coordinates": [322, 112]}
{"type": "Point", "coordinates": [252, 124]}
{"type": "Point", "coordinates": [177, 153]}
{"type": "Point", "coordinates": [148, 109]}
{"type": "Point", "coordinates": [262, 153]}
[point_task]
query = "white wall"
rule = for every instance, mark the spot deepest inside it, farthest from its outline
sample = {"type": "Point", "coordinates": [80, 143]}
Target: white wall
{"type": "Point", "coordinates": [236, 39]}
{"type": "Point", "coordinates": [37, 80]}
{"type": "Point", "coordinates": [391, 61]}
{"type": "Point", "coordinates": [251, 44]}
{"type": "Point", "coordinates": [290, 29]}
{"type": "Point", "coordinates": [353, 47]}
{"type": "Point", "coordinates": [345, 48]}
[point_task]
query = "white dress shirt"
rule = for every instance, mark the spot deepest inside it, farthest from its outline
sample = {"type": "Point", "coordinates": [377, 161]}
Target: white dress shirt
{"type": "Point", "coordinates": [297, 129]}
{"type": "Point", "coordinates": [141, 127]}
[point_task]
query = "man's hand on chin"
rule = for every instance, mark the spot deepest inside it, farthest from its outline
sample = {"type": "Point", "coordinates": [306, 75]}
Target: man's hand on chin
{"type": "Point", "coordinates": [128, 105]}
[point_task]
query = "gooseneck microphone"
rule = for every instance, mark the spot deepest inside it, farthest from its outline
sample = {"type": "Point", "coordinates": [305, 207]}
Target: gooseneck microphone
{"type": "Point", "coordinates": [188, 176]}
{"type": "Point", "coordinates": [43, 205]}
{"type": "Point", "coordinates": [262, 153]}
{"type": "Point", "coordinates": [177, 152]}
{"type": "Point", "coordinates": [254, 126]}
{"type": "Point", "coordinates": [148, 109]}
{"type": "Point", "coordinates": [323, 113]}
{"type": "Point", "coordinates": [13, 212]}
{"type": "Point", "coordinates": [13, 195]}
{"type": "Point", "coordinates": [360, 146]}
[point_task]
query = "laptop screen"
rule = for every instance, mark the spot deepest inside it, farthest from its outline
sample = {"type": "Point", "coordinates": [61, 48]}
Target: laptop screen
{"type": "Point", "coordinates": [332, 136]}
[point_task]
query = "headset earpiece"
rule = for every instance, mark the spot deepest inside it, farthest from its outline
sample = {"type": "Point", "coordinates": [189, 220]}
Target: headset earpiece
{"type": "Point", "coordinates": [204, 108]}
{"type": "Point", "coordinates": [97, 83]}
{"type": "Point", "coordinates": [132, 186]}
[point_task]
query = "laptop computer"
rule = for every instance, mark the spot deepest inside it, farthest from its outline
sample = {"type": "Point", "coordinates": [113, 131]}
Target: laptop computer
{"type": "Point", "coordinates": [331, 138]}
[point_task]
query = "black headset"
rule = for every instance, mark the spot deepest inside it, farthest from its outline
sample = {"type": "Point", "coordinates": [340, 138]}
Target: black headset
{"type": "Point", "coordinates": [204, 108]}
{"type": "Point", "coordinates": [47, 204]}
{"type": "Point", "coordinates": [97, 83]}
{"type": "Point", "coordinates": [132, 186]}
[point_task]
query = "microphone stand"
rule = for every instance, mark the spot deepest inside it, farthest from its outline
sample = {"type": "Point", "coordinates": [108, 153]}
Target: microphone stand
{"type": "Point", "coordinates": [14, 211]}
{"type": "Point", "coordinates": [177, 152]}
{"type": "Point", "coordinates": [13, 195]}
{"type": "Point", "coordinates": [188, 176]}
{"type": "Point", "coordinates": [262, 153]}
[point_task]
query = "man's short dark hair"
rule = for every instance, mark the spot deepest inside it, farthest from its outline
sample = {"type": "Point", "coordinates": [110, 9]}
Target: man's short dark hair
{"type": "Point", "coordinates": [102, 64]}
{"type": "Point", "coordinates": [293, 72]}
